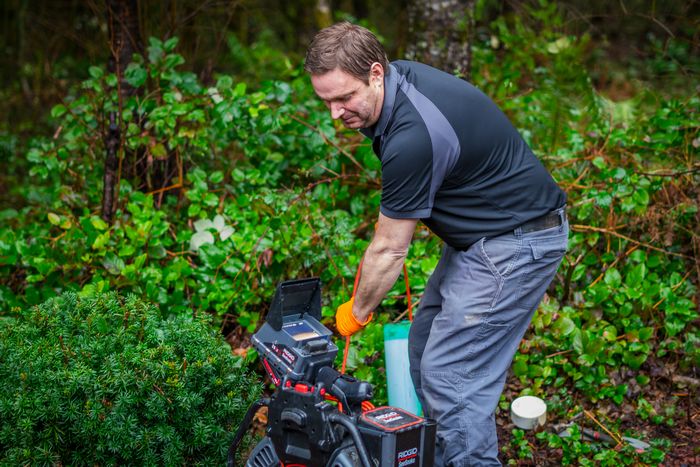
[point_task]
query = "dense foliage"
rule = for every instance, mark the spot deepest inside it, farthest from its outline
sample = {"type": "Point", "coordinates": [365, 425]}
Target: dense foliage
{"type": "Point", "coordinates": [269, 189]}
{"type": "Point", "coordinates": [106, 381]}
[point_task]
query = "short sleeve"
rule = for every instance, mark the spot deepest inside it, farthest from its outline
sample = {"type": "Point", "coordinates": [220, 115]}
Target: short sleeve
{"type": "Point", "coordinates": [407, 167]}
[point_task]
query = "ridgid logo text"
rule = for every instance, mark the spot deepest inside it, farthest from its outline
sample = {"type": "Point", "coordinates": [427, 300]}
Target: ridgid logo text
{"type": "Point", "coordinates": [407, 457]}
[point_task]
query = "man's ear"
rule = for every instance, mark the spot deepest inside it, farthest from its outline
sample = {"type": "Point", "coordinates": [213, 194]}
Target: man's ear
{"type": "Point", "coordinates": [376, 73]}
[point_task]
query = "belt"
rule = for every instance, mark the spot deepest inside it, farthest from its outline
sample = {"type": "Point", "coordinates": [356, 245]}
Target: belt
{"type": "Point", "coordinates": [549, 220]}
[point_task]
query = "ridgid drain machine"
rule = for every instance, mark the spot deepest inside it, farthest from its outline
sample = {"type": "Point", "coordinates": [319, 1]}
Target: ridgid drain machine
{"type": "Point", "coordinates": [318, 417]}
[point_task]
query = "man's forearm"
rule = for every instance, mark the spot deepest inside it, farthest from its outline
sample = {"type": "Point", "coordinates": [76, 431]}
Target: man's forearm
{"type": "Point", "coordinates": [380, 269]}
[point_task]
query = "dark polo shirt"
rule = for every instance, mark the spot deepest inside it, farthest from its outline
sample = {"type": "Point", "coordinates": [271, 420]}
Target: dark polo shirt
{"type": "Point", "coordinates": [451, 158]}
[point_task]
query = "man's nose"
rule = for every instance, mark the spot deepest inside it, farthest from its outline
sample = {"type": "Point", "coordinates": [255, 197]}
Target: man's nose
{"type": "Point", "coordinates": [337, 110]}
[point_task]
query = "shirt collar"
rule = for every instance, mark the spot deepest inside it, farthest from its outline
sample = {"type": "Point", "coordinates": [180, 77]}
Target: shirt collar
{"type": "Point", "coordinates": [391, 85]}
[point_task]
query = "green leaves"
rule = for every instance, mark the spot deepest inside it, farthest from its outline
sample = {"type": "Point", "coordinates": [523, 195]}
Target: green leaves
{"type": "Point", "coordinates": [103, 370]}
{"type": "Point", "coordinates": [636, 275]}
{"type": "Point", "coordinates": [55, 219]}
{"type": "Point", "coordinates": [269, 193]}
{"type": "Point", "coordinates": [113, 264]}
{"type": "Point", "coordinates": [96, 72]}
{"type": "Point", "coordinates": [563, 326]}
{"type": "Point", "coordinates": [58, 110]}
{"type": "Point", "coordinates": [613, 278]}
{"type": "Point", "coordinates": [135, 74]}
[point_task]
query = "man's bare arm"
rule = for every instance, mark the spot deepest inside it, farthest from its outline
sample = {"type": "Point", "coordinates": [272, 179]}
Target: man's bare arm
{"type": "Point", "coordinates": [382, 263]}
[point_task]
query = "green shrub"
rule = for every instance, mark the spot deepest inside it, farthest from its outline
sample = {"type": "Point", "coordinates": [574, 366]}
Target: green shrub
{"type": "Point", "coordinates": [105, 380]}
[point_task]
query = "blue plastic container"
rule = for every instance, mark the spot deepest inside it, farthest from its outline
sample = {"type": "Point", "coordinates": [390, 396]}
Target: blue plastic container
{"type": "Point", "coordinates": [400, 388]}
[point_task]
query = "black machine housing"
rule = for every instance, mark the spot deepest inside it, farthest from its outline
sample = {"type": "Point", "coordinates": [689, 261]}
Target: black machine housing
{"type": "Point", "coordinates": [304, 427]}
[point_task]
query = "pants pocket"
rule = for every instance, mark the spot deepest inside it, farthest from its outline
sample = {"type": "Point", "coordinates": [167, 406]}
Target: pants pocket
{"type": "Point", "coordinates": [500, 253]}
{"type": "Point", "coordinates": [545, 257]}
{"type": "Point", "coordinates": [489, 340]}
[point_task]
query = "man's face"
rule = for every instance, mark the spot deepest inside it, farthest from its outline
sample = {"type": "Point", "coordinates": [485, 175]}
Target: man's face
{"type": "Point", "coordinates": [357, 104]}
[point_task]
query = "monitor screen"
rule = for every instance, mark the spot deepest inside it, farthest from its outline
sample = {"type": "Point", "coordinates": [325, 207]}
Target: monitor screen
{"type": "Point", "coordinates": [300, 330]}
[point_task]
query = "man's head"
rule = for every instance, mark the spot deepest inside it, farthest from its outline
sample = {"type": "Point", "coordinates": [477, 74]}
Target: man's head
{"type": "Point", "coordinates": [347, 66]}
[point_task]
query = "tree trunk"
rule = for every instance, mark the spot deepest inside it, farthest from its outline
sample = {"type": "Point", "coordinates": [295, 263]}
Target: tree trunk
{"type": "Point", "coordinates": [124, 41]}
{"type": "Point", "coordinates": [323, 14]}
{"type": "Point", "coordinates": [440, 33]}
{"type": "Point", "coordinates": [112, 142]}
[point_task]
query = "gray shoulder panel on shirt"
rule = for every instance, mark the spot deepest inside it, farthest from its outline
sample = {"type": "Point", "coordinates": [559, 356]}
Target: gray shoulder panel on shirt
{"type": "Point", "coordinates": [444, 141]}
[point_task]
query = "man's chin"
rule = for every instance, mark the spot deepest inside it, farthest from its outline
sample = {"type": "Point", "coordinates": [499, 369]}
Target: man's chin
{"type": "Point", "coordinates": [353, 124]}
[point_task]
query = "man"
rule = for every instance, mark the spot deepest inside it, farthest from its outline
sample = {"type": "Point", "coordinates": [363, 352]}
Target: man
{"type": "Point", "coordinates": [451, 159]}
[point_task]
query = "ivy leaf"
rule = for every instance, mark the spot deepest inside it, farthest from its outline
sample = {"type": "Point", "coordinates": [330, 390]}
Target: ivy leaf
{"type": "Point", "coordinates": [155, 49]}
{"type": "Point", "coordinates": [159, 151]}
{"type": "Point", "coordinates": [173, 60]}
{"type": "Point", "coordinates": [613, 278]}
{"type": "Point", "coordinates": [641, 197]}
{"type": "Point", "coordinates": [58, 110]}
{"type": "Point", "coordinates": [427, 265]}
{"type": "Point", "coordinates": [564, 326]}
{"type": "Point", "coordinates": [98, 223]}
{"type": "Point", "coordinates": [520, 368]}
{"type": "Point", "coordinates": [635, 277]}
{"type": "Point", "coordinates": [170, 44]}
{"type": "Point", "coordinates": [239, 90]}
{"type": "Point", "coordinates": [193, 210]}
{"type": "Point", "coordinates": [673, 326]}
{"type": "Point", "coordinates": [54, 219]}
{"type": "Point", "coordinates": [135, 74]}
{"type": "Point", "coordinates": [100, 241]}
{"type": "Point", "coordinates": [610, 333]}
{"type": "Point", "coordinates": [216, 176]}
{"type": "Point", "coordinates": [139, 261]}
{"type": "Point", "coordinates": [215, 96]}
{"type": "Point", "coordinates": [111, 81]}
{"type": "Point", "coordinates": [113, 263]}
{"type": "Point", "coordinates": [201, 238]}
{"type": "Point", "coordinates": [219, 222]}
{"type": "Point", "coordinates": [226, 232]}
{"type": "Point", "coordinates": [633, 360]}
{"type": "Point", "coordinates": [224, 82]}
{"type": "Point", "coordinates": [577, 341]}
{"type": "Point", "coordinates": [560, 44]}
{"type": "Point", "coordinates": [203, 224]}
{"type": "Point", "coordinates": [95, 72]}
{"type": "Point", "coordinates": [156, 251]}
{"type": "Point", "coordinates": [211, 200]}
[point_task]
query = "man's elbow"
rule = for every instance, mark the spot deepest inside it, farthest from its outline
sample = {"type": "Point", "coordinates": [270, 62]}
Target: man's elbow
{"type": "Point", "coordinates": [387, 250]}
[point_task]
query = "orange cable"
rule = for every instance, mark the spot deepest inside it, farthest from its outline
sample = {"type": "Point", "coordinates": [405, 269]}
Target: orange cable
{"type": "Point", "coordinates": [367, 405]}
{"type": "Point", "coordinates": [347, 338]}
{"type": "Point", "coordinates": [408, 292]}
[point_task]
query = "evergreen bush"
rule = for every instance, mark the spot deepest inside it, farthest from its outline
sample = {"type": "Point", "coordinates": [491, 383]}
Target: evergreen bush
{"type": "Point", "coordinates": [104, 380]}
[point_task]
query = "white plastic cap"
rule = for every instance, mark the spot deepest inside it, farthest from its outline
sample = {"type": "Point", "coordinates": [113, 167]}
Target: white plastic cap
{"type": "Point", "coordinates": [528, 412]}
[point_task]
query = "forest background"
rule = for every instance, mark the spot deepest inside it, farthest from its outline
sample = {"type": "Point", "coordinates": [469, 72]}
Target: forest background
{"type": "Point", "coordinates": [166, 164]}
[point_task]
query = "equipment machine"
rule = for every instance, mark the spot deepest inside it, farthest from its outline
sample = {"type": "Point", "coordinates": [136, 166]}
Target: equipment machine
{"type": "Point", "coordinates": [318, 417]}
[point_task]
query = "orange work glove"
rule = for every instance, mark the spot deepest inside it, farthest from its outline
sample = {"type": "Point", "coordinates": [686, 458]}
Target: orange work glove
{"type": "Point", "coordinates": [346, 322]}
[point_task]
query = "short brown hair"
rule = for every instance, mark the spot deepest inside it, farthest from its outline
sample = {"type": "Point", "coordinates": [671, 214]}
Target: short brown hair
{"type": "Point", "coordinates": [347, 46]}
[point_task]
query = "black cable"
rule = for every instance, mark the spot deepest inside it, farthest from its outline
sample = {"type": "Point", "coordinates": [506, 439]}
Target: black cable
{"type": "Point", "coordinates": [243, 427]}
{"type": "Point", "coordinates": [356, 437]}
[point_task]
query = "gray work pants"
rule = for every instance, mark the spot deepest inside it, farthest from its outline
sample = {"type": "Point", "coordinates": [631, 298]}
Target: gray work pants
{"type": "Point", "coordinates": [475, 310]}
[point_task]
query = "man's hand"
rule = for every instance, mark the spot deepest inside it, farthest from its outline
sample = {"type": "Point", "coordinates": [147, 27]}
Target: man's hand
{"type": "Point", "coordinates": [346, 322]}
